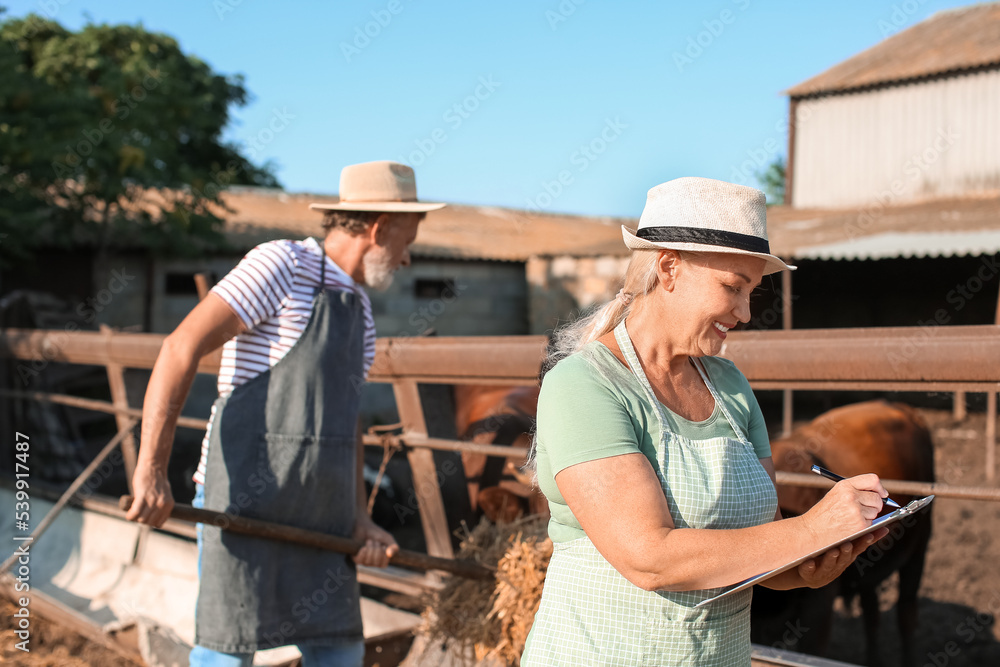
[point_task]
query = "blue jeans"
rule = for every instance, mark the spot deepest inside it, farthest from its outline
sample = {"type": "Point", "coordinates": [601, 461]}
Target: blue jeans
{"type": "Point", "coordinates": [350, 655]}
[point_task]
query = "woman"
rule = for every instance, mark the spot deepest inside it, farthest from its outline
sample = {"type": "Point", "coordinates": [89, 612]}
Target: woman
{"type": "Point", "coordinates": [654, 457]}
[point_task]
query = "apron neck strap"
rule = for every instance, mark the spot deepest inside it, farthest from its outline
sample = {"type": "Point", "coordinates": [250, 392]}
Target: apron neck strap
{"type": "Point", "coordinates": [625, 344]}
{"type": "Point", "coordinates": [322, 266]}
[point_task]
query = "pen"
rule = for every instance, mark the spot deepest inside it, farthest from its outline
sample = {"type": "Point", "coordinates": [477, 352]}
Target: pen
{"type": "Point", "coordinates": [835, 477]}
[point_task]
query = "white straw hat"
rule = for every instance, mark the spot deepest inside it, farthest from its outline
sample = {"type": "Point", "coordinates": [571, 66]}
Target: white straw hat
{"type": "Point", "coordinates": [378, 186]}
{"type": "Point", "coordinates": [705, 215]}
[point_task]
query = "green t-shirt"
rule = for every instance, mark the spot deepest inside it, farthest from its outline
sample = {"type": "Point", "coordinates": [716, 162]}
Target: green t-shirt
{"type": "Point", "coordinates": [591, 407]}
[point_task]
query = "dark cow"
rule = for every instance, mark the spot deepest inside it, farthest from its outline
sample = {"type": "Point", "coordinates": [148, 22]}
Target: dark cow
{"type": "Point", "coordinates": [498, 415]}
{"type": "Point", "coordinates": [893, 441]}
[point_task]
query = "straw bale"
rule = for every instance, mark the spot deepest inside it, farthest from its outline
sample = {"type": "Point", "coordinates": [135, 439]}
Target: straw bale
{"type": "Point", "coordinates": [488, 621]}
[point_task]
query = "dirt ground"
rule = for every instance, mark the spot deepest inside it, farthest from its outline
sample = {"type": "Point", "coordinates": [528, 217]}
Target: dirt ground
{"type": "Point", "coordinates": [960, 594]}
{"type": "Point", "coordinates": [51, 645]}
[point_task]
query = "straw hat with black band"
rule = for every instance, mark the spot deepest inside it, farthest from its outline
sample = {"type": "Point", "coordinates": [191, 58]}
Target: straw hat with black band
{"type": "Point", "coordinates": [705, 215]}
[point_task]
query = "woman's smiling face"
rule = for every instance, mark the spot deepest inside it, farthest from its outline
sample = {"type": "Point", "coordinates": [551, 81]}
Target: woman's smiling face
{"type": "Point", "coordinates": [710, 295]}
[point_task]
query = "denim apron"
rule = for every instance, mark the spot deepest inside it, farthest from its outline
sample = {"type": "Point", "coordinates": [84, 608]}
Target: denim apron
{"type": "Point", "coordinates": [283, 449]}
{"type": "Point", "coordinates": [591, 615]}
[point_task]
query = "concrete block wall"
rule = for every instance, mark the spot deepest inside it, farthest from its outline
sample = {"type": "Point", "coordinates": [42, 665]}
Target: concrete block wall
{"type": "Point", "coordinates": [480, 298]}
{"type": "Point", "coordinates": [563, 287]}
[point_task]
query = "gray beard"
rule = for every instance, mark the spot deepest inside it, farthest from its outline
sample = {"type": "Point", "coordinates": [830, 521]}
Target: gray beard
{"type": "Point", "coordinates": [378, 272]}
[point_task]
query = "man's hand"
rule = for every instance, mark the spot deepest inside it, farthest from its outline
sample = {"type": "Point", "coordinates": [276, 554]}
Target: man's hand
{"type": "Point", "coordinates": [379, 545]}
{"type": "Point", "coordinates": [822, 570]}
{"type": "Point", "coordinates": [153, 500]}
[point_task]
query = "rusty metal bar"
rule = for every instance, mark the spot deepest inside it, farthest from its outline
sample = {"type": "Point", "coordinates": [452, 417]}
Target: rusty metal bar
{"type": "Point", "coordinates": [102, 505]}
{"type": "Point", "coordinates": [391, 578]}
{"type": "Point", "coordinates": [898, 486]}
{"type": "Point", "coordinates": [991, 435]}
{"type": "Point", "coordinates": [787, 405]}
{"type": "Point", "coordinates": [915, 354]}
{"type": "Point", "coordinates": [279, 532]}
{"type": "Point", "coordinates": [481, 359]}
{"type": "Point", "coordinates": [787, 414]}
{"type": "Point", "coordinates": [874, 385]}
{"type": "Point", "coordinates": [958, 410]}
{"type": "Point", "coordinates": [420, 440]}
{"type": "Point", "coordinates": [898, 354]}
{"type": "Point", "coordinates": [409, 439]}
{"type": "Point", "coordinates": [130, 350]}
{"type": "Point", "coordinates": [97, 406]}
{"type": "Point", "coordinates": [996, 315]}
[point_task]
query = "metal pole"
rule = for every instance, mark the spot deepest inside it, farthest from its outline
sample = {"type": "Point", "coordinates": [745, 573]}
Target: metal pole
{"type": "Point", "coordinates": [895, 486]}
{"type": "Point", "coordinates": [275, 531]}
{"type": "Point", "coordinates": [958, 407]}
{"type": "Point", "coordinates": [991, 435]}
{"type": "Point", "coordinates": [97, 406]}
{"type": "Point", "coordinates": [787, 415]}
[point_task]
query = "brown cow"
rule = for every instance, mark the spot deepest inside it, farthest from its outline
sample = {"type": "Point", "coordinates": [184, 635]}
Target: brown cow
{"type": "Point", "coordinates": [498, 415]}
{"type": "Point", "coordinates": [893, 441]}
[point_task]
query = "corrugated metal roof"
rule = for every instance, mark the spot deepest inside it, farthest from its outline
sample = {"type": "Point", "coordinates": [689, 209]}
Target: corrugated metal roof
{"type": "Point", "coordinates": [935, 228]}
{"type": "Point", "coordinates": [454, 232]}
{"type": "Point", "coordinates": [902, 244]}
{"type": "Point", "coordinates": [949, 41]}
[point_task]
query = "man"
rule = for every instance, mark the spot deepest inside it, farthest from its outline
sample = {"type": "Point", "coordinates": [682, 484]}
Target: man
{"type": "Point", "coordinates": [281, 444]}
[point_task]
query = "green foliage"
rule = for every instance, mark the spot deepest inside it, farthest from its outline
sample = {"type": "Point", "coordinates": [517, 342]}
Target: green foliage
{"type": "Point", "coordinates": [111, 137]}
{"type": "Point", "coordinates": [772, 181]}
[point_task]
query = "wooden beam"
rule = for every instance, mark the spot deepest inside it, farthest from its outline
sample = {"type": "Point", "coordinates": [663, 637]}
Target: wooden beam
{"type": "Point", "coordinates": [793, 108]}
{"type": "Point", "coordinates": [201, 284]}
{"type": "Point", "coordinates": [119, 398]}
{"type": "Point", "coordinates": [424, 472]}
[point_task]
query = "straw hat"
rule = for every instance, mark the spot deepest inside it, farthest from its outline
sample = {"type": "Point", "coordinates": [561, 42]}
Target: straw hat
{"type": "Point", "coordinates": [705, 215]}
{"type": "Point", "coordinates": [378, 186]}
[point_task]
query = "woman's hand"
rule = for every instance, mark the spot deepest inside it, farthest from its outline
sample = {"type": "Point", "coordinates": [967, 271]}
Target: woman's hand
{"type": "Point", "coordinates": [822, 570]}
{"type": "Point", "coordinates": [851, 505]}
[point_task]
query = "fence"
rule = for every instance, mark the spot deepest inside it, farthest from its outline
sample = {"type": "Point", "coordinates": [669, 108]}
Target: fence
{"type": "Point", "coordinates": [951, 359]}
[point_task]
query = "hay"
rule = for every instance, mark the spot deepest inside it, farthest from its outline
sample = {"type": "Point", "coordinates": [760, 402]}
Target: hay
{"type": "Point", "coordinates": [490, 620]}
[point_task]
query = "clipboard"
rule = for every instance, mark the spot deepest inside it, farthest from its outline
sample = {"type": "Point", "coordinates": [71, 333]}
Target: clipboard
{"type": "Point", "coordinates": [911, 508]}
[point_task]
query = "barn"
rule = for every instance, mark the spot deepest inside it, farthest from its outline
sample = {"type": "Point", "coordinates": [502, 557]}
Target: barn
{"type": "Point", "coordinates": [893, 181]}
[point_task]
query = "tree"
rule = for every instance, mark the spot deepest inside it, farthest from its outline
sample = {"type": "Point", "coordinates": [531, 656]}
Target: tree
{"type": "Point", "coordinates": [772, 181]}
{"type": "Point", "coordinates": [111, 136]}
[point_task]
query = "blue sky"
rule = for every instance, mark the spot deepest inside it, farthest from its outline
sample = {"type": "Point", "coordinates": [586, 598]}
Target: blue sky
{"type": "Point", "coordinates": [575, 106]}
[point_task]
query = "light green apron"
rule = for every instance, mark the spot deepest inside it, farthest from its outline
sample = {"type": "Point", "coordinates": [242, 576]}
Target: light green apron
{"type": "Point", "coordinates": [591, 615]}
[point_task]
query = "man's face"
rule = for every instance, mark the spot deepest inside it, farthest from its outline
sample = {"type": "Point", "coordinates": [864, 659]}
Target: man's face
{"type": "Point", "coordinates": [391, 249]}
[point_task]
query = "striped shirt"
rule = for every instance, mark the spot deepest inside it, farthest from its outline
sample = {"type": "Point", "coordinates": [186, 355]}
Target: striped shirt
{"type": "Point", "coordinates": [271, 290]}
